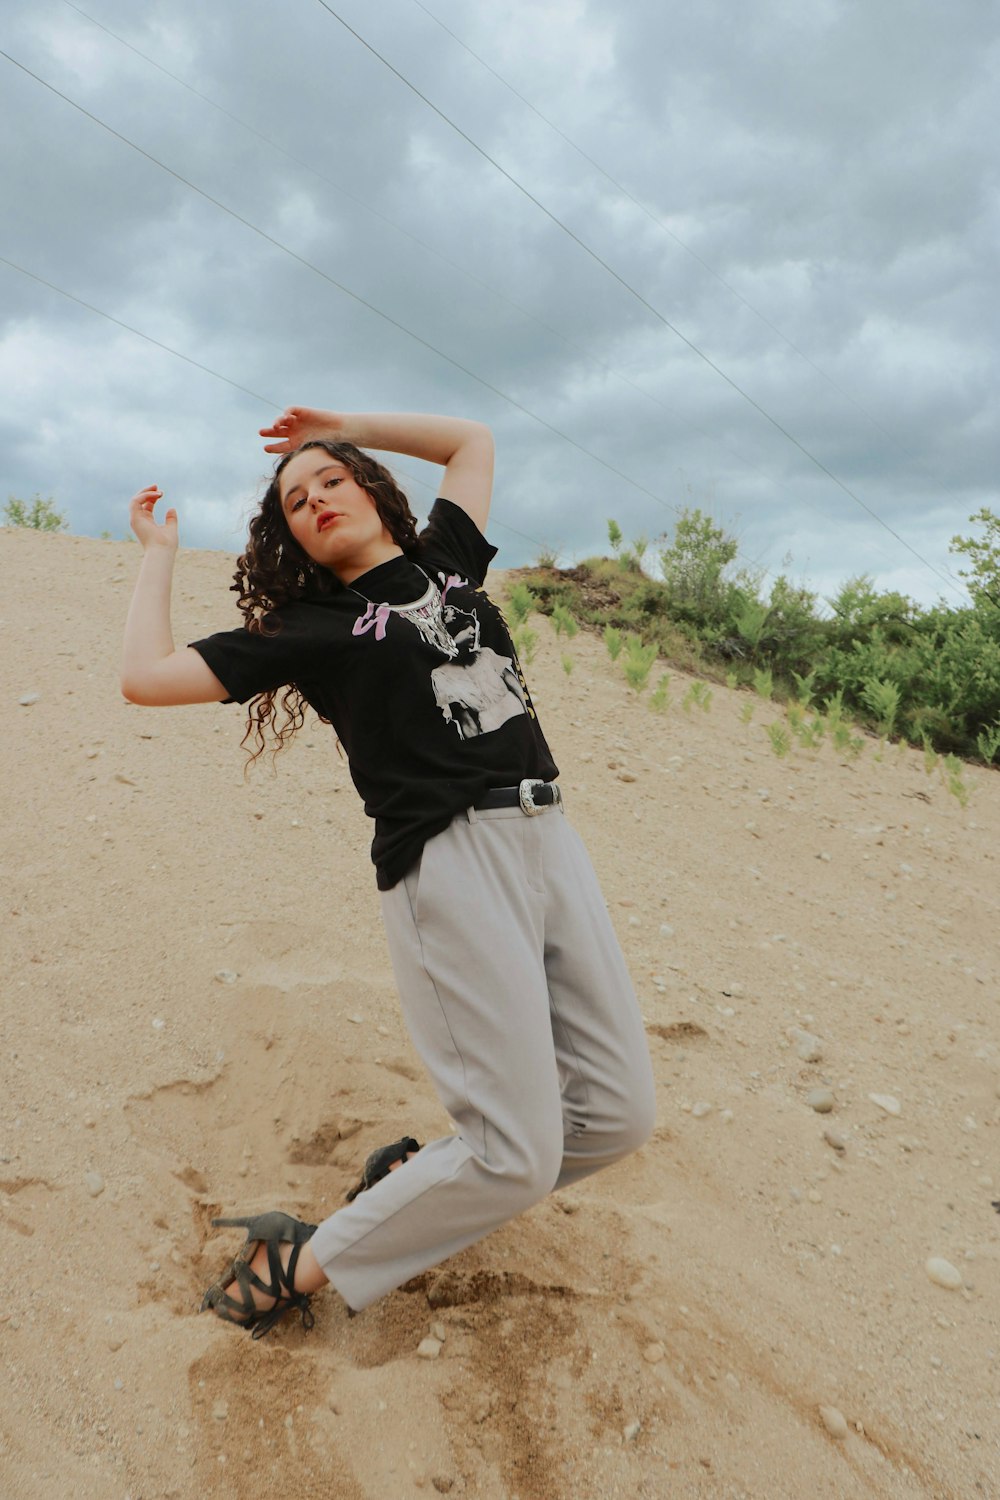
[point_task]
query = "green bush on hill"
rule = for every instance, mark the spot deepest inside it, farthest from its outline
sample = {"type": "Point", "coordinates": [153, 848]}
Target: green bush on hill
{"type": "Point", "coordinates": [930, 676]}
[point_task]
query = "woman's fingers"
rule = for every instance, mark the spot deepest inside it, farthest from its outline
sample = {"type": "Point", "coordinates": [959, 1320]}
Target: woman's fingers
{"type": "Point", "coordinates": [144, 524]}
{"type": "Point", "coordinates": [283, 429]}
{"type": "Point", "coordinates": [142, 503]}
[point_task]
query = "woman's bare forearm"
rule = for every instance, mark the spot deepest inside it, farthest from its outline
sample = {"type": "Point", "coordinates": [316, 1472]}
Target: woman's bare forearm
{"type": "Point", "coordinates": [464, 449]}
{"type": "Point", "coordinates": [418, 435]}
{"type": "Point", "coordinates": [148, 635]}
{"type": "Point", "coordinates": [436, 439]}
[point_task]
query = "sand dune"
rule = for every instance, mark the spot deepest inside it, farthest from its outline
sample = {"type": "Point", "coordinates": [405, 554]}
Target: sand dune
{"type": "Point", "coordinates": [670, 1328]}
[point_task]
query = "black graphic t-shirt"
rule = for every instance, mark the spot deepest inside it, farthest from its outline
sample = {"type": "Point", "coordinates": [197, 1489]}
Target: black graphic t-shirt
{"type": "Point", "coordinates": [414, 667]}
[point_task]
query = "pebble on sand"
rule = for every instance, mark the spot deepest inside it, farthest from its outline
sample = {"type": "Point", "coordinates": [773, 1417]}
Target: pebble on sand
{"type": "Point", "coordinates": [834, 1421]}
{"type": "Point", "coordinates": [428, 1349]}
{"type": "Point", "coordinates": [653, 1353]}
{"type": "Point", "coordinates": [95, 1184]}
{"type": "Point", "coordinates": [888, 1102]}
{"type": "Point", "coordinates": [821, 1100]}
{"type": "Point", "coordinates": [226, 976]}
{"type": "Point", "coordinates": [943, 1273]}
{"type": "Point", "coordinates": [807, 1046]}
{"type": "Point", "coordinates": [27, 699]}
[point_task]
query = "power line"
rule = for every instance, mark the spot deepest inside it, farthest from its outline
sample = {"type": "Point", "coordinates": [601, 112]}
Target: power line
{"type": "Point", "coordinates": [370, 306]}
{"type": "Point", "coordinates": [344, 192]}
{"type": "Point", "coordinates": [643, 301]}
{"type": "Point", "coordinates": [137, 331]}
{"type": "Point", "coordinates": [363, 302]}
{"type": "Point", "coordinates": [655, 219]}
{"type": "Point", "coordinates": [217, 375]}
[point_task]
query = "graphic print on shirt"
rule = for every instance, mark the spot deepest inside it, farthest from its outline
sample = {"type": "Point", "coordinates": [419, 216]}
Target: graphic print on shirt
{"type": "Point", "coordinates": [476, 688]}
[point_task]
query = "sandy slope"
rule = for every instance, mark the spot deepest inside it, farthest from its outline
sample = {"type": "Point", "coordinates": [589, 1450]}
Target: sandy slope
{"type": "Point", "coordinates": [752, 895]}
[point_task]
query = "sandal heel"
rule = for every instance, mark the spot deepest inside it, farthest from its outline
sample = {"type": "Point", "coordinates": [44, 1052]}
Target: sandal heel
{"type": "Point", "coordinates": [379, 1163]}
{"type": "Point", "coordinates": [269, 1226]}
{"type": "Point", "coordinates": [271, 1229]}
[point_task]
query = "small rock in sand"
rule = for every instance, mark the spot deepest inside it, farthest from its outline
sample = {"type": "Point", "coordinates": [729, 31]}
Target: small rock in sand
{"type": "Point", "coordinates": [226, 976]}
{"type": "Point", "coordinates": [821, 1100]}
{"type": "Point", "coordinates": [807, 1046]}
{"type": "Point", "coordinates": [888, 1102]}
{"type": "Point", "coordinates": [834, 1421]}
{"type": "Point", "coordinates": [701, 1109]}
{"type": "Point", "coordinates": [835, 1139]}
{"type": "Point", "coordinates": [631, 1432]}
{"type": "Point", "coordinates": [95, 1184]}
{"type": "Point", "coordinates": [27, 699]}
{"type": "Point", "coordinates": [428, 1349]}
{"type": "Point", "coordinates": [943, 1273]}
{"type": "Point", "coordinates": [653, 1353]}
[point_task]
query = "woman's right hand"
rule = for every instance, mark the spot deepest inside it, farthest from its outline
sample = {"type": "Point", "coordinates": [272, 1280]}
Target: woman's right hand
{"type": "Point", "coordinates": [149, 531]}
{"type": "Point", "coordinates": [303, 424]}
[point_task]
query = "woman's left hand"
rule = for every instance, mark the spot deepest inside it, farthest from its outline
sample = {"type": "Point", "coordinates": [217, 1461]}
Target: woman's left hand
{"type": "Point", "coordinates": [302, 424]}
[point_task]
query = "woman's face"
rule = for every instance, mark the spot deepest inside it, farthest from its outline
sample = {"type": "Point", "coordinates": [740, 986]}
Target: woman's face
{"type": "Point", "coordinates": [331, 517]}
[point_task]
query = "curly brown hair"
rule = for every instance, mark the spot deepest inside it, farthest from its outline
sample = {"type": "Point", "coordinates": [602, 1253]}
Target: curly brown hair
{"type": "Point", "coordinates": [274, 571]}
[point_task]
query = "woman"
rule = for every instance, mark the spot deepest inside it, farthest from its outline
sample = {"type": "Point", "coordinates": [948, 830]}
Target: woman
{"type": "Point", "coordinates": [511, 981]}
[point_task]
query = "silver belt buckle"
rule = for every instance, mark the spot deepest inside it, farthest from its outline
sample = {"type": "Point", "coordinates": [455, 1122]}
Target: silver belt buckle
{"type": "Point", "coordinates": [525, 796]}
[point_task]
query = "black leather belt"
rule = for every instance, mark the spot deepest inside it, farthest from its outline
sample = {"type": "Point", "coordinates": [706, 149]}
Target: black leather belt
{"type": "Point", "coordinates": [531, 797]}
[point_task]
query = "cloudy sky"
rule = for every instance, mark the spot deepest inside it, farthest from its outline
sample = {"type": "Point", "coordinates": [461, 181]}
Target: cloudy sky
{"type": "Point", "coordinates": [740, 258]}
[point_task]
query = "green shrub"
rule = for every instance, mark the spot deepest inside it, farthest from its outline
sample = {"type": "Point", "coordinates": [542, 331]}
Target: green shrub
{"type": "Point", "coordinates": [984, 552]}
{"type": "Point", "coordinates": [660, 700]}
{"type": "Point", "coordinates": [520, 603]}
{"type": "Point", "coordinates": [526, 643]}
{"type": "Point", "coordinates": [805, 686]}
{"type": "Point", "coordinates": [988, 742]}
{"type": "Point", "coordinates": [614, 641]}
{"type": "Point", "coordinates": [778, 735]}
{"type": "Point", "coordinates": [563, 620]}
{"type": "Point", "coordinates": [749, 617]}
{"type": "Point", "coordinates": [883, 700]}
{"type": "Point", "coordinates": [638, 662]}
{"type": "Point", "coordinates": [763, 682]}
{"type": "Point", "coordinates": [38, 515]}
{"type": "Point", "coordinates": [694, 568]}
{"type": "Point", "coordinates": [699, 694]}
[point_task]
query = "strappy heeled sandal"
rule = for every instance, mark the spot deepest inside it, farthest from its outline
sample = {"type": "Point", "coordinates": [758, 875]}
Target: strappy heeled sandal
{"type": "Point", "coordinates": [379, 1163]}
{"type": "Point", "coordinates": [272, 1229]}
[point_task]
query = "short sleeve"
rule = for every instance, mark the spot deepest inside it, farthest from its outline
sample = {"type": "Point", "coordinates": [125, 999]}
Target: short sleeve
{"type": "Point", "coordinates": [247, 664]}
{"type": "Point", "coordinates": [452, 537]}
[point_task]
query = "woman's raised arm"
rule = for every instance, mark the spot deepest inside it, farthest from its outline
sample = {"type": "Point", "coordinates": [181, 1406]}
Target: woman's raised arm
{"type": "Point", "coordinates": [153, 672]}
{"type": "Point", "coordinates": [463, 448]}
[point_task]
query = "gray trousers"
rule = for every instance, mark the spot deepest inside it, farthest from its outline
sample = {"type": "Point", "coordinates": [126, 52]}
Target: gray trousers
{"type": "Point", "coordinates": [516, 996]}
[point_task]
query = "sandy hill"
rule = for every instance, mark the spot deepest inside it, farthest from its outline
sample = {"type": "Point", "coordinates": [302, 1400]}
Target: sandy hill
{"type": "Point", "coordinates": [199, 1017]}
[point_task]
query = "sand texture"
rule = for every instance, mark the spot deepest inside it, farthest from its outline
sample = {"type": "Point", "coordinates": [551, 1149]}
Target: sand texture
{"type": "Point", "coordinates": [199, 1018]}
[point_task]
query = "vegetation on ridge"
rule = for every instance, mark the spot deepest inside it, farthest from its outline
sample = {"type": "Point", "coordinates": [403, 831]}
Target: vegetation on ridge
{"type": "Point", "coordinates": [927, 676]}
